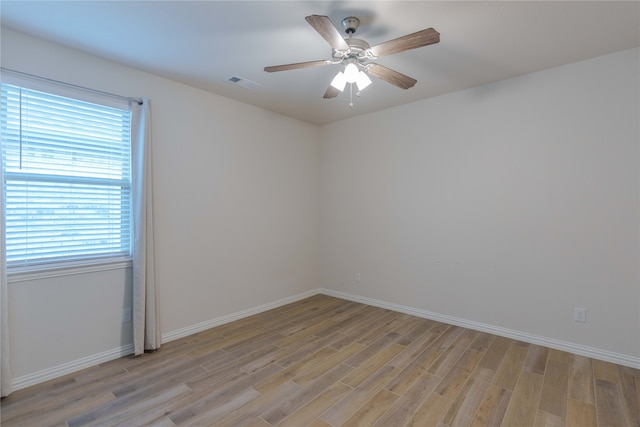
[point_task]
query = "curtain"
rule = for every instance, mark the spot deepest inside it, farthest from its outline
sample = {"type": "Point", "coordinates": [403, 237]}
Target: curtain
{"type": "Point", "coordinates": [145, 316]}
{"type": "Point", "coordinates": [5, 367]}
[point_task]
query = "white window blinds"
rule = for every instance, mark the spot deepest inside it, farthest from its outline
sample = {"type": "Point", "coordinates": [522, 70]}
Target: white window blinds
{"type": "Point", "coordinates": [67, 178]}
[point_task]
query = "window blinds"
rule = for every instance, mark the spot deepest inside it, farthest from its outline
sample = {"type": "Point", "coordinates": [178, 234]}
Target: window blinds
{"type": "Point", "coordinates": [67, 178]}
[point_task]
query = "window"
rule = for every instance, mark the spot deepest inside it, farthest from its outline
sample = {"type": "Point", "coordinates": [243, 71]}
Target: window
{"type": "Point", "coordinates": [67, 179]}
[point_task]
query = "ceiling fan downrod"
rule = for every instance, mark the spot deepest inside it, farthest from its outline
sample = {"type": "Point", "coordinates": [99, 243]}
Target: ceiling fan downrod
{"type": "Point", "coordinates": [350, 24]}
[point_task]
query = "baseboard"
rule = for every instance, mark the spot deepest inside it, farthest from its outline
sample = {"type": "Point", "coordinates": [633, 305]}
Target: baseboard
{"type": "Point", "coordinates": [595, 353]}
{"type": "Point", "coordinates": [203, 326]}
{"type": "Point", "coordinates": [89, 361]}
{"type": "Point", "coordinates": [95, 359]}
{"type": "Point", "coordinates": [70, 367]}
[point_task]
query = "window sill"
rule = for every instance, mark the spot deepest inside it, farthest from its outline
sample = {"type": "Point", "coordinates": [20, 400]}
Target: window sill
{"type": "Point", "coordinates": [46, 272]}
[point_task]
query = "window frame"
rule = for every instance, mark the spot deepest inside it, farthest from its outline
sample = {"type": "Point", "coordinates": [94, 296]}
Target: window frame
{"type": "Point", "coordinates": [81, 263]}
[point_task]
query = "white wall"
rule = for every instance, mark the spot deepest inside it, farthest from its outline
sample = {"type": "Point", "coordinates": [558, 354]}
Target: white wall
{"type": "Point", "coordinates": [236, 192]}
{"type": "Point", "coordinates": [506, 205]}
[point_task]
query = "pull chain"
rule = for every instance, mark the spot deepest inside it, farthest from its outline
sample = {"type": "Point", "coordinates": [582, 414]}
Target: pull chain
{"type": "Point", "coordinates": [350, 95]}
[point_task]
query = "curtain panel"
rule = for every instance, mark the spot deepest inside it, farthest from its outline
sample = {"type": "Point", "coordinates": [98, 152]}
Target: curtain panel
{"type": "Point", "coordinates": [146, 327]}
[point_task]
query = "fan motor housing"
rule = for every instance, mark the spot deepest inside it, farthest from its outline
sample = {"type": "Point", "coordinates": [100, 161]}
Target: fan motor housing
{"type": "Point", "coordinates": [357, 44]}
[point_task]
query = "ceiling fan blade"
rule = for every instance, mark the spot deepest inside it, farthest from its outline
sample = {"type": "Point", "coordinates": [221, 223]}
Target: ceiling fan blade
{"type": "Point", "coordinates": [391, 76]}
{"type": "Point", "coordinates": [410, 41]}
{"type": "Point", "coordinates": [331, 92]}
{"type": "Point", "coordinates": [323, 25]}
{"type": "Point", "coordinates": [295, 66]}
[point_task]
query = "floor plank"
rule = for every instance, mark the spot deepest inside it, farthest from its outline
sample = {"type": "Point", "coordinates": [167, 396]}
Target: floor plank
{"type": "Point", "coordinates": [524, 401]}
{"type": "Point", "coordinates": [553, 399]}
{"type": "Point", "coordinates": [493, 407]}
{"type": "Point", "coordinates": [372, 410]}
{"type": "Point", "coordinates": [580, 413]}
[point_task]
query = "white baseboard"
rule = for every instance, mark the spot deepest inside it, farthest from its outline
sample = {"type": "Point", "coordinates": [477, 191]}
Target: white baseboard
{"type": "Point", "coordinates": [95, 359]}
{"type": "Point", "coordinates": [595, 353]}
{"type": "Point", "coordinates": [203, 326]}
{"type": "Point", "coordinates": [70, 367]}
{"type": "Point", "coordinates": [89, 361]}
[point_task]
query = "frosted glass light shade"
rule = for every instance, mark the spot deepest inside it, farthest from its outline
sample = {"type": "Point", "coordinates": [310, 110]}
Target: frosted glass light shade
{"type": "Point", "coordinates": [351, 73]}
{"type": "Point", "coordinates": [363, 80]}
{"type": "Point", "coordinates": [339, 81]}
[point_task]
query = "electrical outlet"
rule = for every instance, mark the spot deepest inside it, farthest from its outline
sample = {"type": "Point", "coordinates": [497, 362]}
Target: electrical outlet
{"type": "Point", "coordinates": [358, 277]}
{"type": "Point", "coordinates": [580, 314]}
{"type": "Point", "coordinates": [126, 315]}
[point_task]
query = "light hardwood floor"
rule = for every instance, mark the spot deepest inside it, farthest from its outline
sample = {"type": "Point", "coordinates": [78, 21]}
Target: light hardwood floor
{"type": "Point", "coordinates": [329, 362]}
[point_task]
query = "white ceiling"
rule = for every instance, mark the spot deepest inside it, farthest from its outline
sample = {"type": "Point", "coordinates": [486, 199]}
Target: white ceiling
{"type": "Point", "coordinates": [204, 43]}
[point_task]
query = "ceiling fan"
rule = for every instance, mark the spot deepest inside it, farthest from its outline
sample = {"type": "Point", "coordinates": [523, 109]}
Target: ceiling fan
{"type": "Point", "coordinates": [357, 55]}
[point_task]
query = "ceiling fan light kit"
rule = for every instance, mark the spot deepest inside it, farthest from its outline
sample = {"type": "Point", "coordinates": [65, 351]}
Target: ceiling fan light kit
{"type": "Point", "coordinates": [357, 55]}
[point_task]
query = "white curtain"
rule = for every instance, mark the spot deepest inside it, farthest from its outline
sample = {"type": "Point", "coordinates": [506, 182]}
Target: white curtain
{"type": "Point", "coordinates": [5, 367]}
{"type": "Point", "coordinates": [146, 327]}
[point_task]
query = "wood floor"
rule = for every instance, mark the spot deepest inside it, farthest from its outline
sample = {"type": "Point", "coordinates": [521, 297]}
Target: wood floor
{"type": "Point", "coordinates": [329, 362]}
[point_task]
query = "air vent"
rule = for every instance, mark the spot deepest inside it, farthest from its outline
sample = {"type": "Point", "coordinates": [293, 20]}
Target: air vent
{"type": "Point", "coordinates": [242, 82]}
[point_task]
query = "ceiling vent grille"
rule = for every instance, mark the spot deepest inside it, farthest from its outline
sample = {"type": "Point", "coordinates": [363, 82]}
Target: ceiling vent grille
{"type": "Point", "coordinates": [242, 82]}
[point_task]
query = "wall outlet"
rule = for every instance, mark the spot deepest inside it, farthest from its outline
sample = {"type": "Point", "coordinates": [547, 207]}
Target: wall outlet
{"type": "Point", "coordinates": [358, 277]}
{"type": "Point", "coordinates": [126, 315]}
{"type": "Point", "coordinates": [580, 314]}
